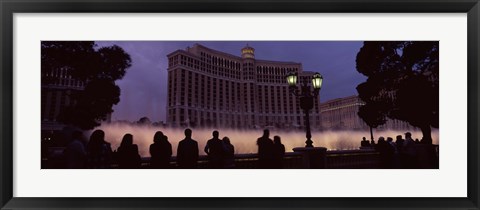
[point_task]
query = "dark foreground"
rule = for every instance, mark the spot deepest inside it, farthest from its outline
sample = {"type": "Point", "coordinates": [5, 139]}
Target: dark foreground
{"type": "Point", "coordinates": [427, 158]}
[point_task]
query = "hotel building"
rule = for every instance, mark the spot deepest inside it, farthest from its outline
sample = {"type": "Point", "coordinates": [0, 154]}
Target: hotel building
{"type": "Point", "coordinates": [57, 86]}
{"type": "Point", "coordinates": [341, 114]}
{"type": "Point", "coordinates": [207, 87]}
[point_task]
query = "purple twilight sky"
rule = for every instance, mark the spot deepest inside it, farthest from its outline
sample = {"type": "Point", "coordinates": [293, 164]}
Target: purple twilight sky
{"type": "Point", "coordinates": [144, 87]}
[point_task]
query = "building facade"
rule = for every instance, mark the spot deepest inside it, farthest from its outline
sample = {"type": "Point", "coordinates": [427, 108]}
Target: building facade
{"type": "Point", "coordinates": [209, 88]}
{"type": "Point", "coordinates": [57, 86]}
{"type": "Point", "coordinates": [341, 114]}
{"type": "Point", "coordinates": [56, 90]}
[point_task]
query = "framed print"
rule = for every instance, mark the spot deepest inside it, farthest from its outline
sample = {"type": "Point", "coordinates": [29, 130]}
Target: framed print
{"type": "Point", "coordinates": [207, 104]}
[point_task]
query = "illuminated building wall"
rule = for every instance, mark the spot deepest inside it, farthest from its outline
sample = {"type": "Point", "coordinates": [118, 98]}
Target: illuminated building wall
{"type": "Point", "coordinates": [212, 88]}
{"type": "Point", "coordinates": [57, 86]}
{"type": "Point", "coordinates": [341, 114]}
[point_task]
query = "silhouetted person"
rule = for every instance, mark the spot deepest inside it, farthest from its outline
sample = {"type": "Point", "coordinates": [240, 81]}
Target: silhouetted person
{"type": "Point", "coordinates": [160, 151]}
{"type": "Point", "coordinates": [229, 155]}
{"type": "Point", "coordinates": [278, 152]}
{"type": "Point", "coordinates": [127, 153]}
{"type": "Point", "coordinates": [417, 141]}
{"type": "Point", "coordinates": [383, 148]}
{"type": "Point", "coordinates": [409, 151]}
{"type": "Point", "coordinates": [265, 150]}
{"type": "Point", "coordinates": [99, 151]}
{"type": "Point", "coordinates": [392, 144]}
{"type": "Point", "coordinates": [399, 142]}
{"type": "Point", "coordinates": [391, 153]}
{"type": "Point", "coordinates": [364, 142]}
{"type": "Point", "coordinates": [75, 154]}
{"type": "Point", "coordinates": [215, 149]}
{"type": "Point", "coordinates": [187, 152]}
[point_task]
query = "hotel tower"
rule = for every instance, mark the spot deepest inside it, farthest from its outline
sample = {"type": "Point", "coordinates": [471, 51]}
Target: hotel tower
{"type": "Point", "coordinates": [209, 88]}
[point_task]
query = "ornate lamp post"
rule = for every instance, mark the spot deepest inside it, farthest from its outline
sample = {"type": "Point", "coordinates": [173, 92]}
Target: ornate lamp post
{"type": "Point", "coordinates": [306, 98]}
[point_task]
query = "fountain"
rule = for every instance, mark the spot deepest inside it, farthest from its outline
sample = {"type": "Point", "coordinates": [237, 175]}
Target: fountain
{"type": "Point", "coordinates": [244, 140]}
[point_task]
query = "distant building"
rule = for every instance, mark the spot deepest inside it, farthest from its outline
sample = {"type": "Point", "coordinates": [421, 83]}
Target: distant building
{"type": "Point", "coordinates": [56, 89]}
{"type": "Point", "coordinates": [341, 114]}
{"type": "Point", "coordinates": [212, 88]}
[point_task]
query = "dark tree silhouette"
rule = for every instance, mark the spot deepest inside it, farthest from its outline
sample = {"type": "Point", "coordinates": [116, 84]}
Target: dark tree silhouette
{"type": "Point", "coordinates": [144, 121]}
{"type": "Point", "coordinates": [402, 83]}
{"type": "Point", "coordinates": [372, 116]}
{"type": "Point", "coordinates": [97, 68]}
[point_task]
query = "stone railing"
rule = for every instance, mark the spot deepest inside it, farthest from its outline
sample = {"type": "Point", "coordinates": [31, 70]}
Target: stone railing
{"type": "Point", "coordinates": [346, 159]}
{"type": "Point", "coordinates": [332, 159]}
{"type": "Point", "coordinates": [352, 159]}
{"type": "Point", "coordinates": [242, 161]}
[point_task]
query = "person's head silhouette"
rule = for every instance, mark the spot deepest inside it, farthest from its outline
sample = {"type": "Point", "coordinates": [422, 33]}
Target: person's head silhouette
{"type": "Point", "coordinates": [408, 135]}
{"type": "Point", "coordinates": [226, 140]}
{"type": "Point", "coordinates": [381, 139]}
{"type": "Point", "coordinates": [364, 139]}
{"type": "Point", "coordinates": [97, 137]}
{"type": "Point", "coordinates": [276, 140]}
{"type": "Point", "coordinates": [127, 140]}
{"type": "Point", "coordinates": [188, 133]}
{"type": "Point", "coordinates": [266, 133]}
{"type": "Point", "coordinates": [215, 134]}
{"type": "Point", "coordinates": [158, 136]}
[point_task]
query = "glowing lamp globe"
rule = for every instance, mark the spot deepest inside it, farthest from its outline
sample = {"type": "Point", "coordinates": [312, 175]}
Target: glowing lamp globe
{"type": "Point", "coordinates": [292, 79]}
{"type": "Point", "coordinates": [317, 80]}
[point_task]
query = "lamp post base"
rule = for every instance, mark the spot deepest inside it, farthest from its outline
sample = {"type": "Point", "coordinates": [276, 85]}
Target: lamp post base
{"type": "Point", "coordinates": [309, 143]}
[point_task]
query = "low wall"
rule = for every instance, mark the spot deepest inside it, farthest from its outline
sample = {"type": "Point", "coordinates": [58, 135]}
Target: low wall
{"type": "Point", "coordinates": [341, 159]}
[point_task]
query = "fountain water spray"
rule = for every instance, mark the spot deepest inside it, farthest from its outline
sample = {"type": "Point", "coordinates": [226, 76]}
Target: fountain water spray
{"type": "Point", "coordinates": [244, 140]}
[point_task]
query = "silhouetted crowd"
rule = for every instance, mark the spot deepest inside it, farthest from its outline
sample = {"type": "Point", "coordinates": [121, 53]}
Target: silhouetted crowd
{"type": "Point", "coordinates": [398, 154]}
{"type": "Point", "coordinates": [98, 153]}
{"type": "Point", "coordinates": [270, 153]}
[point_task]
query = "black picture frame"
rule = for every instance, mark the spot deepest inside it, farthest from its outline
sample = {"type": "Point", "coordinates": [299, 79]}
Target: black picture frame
{"type": "Point", "coordinates": [10, 7]}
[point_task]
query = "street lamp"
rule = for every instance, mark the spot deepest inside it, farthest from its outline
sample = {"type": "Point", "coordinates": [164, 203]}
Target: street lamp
{"type": "Point", "coordinates": [306, 98]}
